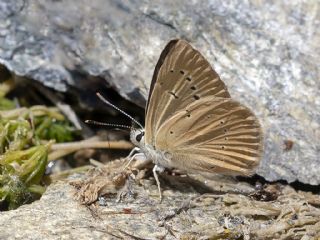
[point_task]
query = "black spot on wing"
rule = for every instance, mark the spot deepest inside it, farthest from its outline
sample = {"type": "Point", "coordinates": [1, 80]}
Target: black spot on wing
{"type": "Point", "coordinates": [174, 95]}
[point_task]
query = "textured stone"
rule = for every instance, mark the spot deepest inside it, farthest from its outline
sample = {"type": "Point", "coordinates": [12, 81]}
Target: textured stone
{"type": "Point", "coordinates": [183, 214]}
{"type": "Point", "coordinates": [267, 52]}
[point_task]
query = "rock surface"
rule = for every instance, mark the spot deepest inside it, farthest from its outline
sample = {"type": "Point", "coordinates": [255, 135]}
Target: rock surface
{"type": "Point", "coordinates": [266, 52]}
{"type": "Point", "coordinates": [183, 214]}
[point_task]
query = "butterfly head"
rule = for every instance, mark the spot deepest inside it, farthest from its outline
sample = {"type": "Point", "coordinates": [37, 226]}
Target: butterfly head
{"type": "Point", "coordinates": [137, 136]}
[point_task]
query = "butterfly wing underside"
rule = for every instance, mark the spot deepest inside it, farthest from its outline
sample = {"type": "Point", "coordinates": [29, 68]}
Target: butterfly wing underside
{"type": "Point", "coordinates": [182, 75]}
{"type": "Point", "coordinates": [212, 135]}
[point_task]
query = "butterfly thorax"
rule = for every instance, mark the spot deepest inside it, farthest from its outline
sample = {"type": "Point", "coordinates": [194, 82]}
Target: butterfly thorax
{"type": "Point", "coordinates": [158, 157]}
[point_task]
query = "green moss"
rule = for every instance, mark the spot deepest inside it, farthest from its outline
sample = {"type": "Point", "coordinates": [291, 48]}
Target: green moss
{"type": "Point", "coordinates": [20, 173]}
{"type": "Point", "coordinates": [25, 138]}
{"type": "Point", "coordinates": [48, 128]}
{"type": "Point", "coordinates": [6, 104]}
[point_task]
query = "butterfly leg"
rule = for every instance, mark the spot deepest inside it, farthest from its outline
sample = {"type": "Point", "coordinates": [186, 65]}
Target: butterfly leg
{"type": "Point", "coordinates": [156, 169]}
{"type": "Point", "coordinates": [130, 156]}
{"type": "Point", "coordinates": [132, 152]}
{"type": "Point", "coordinates": [137, 156]}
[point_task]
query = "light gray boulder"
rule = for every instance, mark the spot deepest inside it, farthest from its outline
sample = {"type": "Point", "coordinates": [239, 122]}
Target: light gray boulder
{"type": "Point", "coordinates": [267, 53]}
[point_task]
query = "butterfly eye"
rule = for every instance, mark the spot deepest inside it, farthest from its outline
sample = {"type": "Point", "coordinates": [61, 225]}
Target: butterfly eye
{"type": "Point", "coordinates": [139, 136]}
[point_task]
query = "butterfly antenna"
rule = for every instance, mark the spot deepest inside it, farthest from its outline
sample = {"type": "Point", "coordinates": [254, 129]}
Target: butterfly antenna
{"type": "Point", "coordinates": [115, 107]}
{"type": "Point", "coordinates": [107, 124]}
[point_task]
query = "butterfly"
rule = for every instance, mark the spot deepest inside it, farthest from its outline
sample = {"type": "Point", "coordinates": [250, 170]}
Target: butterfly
{"type": "Point", "coordinates": [192, 123]}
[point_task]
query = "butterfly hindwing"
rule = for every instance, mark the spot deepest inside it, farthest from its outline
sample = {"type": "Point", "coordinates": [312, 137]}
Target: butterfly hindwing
{"type": "Point", "coordinates": [212, 135]}
{"type": "Point", "coordinates": [182, 76]}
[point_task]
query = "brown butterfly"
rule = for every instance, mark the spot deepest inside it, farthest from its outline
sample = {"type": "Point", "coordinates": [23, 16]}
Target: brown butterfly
{"type": "Point", "coordinates": [192, 123]}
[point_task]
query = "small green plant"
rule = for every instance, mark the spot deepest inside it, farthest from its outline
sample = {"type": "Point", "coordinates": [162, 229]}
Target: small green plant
{"type": "Point", "coordinates": [25, 138]}
{"type": "Point", "coordinates": [49, 128]}
{"type": "Point", "coordinates": [20, 175]}
{"type": "Point", "coordinates": [5, 104]}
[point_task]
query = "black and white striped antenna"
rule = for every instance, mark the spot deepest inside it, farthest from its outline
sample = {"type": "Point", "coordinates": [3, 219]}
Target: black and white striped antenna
{"type": "Point", "coordinates": [118, 109]}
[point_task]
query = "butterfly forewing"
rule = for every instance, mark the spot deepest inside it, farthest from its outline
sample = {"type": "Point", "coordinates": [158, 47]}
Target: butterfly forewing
{"type": "Point", "coordinates": [212, 135]}
{"type": "Point", "coordinates": [181, 77]}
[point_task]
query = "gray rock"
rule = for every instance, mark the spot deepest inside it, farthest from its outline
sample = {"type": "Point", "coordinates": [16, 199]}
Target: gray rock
{"type": "Point", "coordinates": [266, 52]}
{"type": "Point", "coordinates": [183, 213]}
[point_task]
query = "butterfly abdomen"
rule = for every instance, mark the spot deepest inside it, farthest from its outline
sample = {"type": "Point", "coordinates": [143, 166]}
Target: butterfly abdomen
{"type": "Point", "coordinates": [159, 157]}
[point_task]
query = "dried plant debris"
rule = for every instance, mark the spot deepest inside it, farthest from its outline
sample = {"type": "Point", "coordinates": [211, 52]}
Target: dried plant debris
{"type": "Point", "coordinates": [26, 135]}
{"type": "Point", "coordinates": [106, 182]}
{"type": "Point", "coordinates": [267, 192]}
{"type": "Point", "coordinates": [128, 202]}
